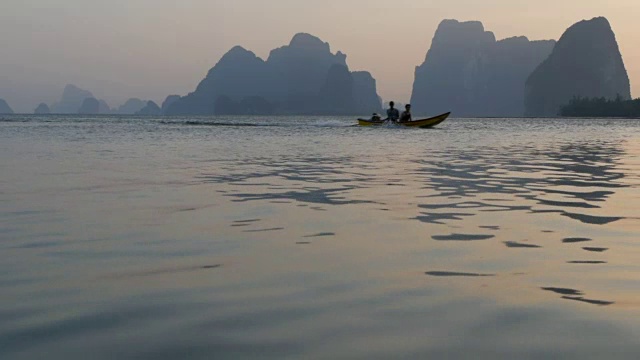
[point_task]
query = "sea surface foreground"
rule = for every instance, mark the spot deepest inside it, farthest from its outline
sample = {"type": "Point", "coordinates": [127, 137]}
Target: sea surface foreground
{"type": "Point", "coordinates": [285, 237]}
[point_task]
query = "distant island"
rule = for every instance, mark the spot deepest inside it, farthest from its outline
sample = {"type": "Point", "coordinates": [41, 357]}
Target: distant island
{"type": "Point", "coordinates": [586, 63]}
{"type": "Point", "coordinates": [89, 106]}
{"type": "Point", "coordinates": [151, 109]}
{"type": "Point", "coordinates": [466, 71]}
{"type": "Point", "coordinates": [71, 100]}
{"type": "Point", "coordinates": [42, 109]}
{"type": "Point", "coordinates": [470, 73]}
{"type": "Point", "coordinates": [601, 107]}
{"type": "Point", "coordinates": [75, 100]}
{"type": "Point", "coordinates": [5, 108]}
{"type": "Point", "coordinates": [304, 77]}
{"type": "Point", "coordinates": [131, 107]}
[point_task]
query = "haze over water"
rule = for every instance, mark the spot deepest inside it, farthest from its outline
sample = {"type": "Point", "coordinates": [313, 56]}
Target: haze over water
{"type": "Point", "coordinates": [288, 237]}
{"type": "Point", "coordinates": [149, 49]}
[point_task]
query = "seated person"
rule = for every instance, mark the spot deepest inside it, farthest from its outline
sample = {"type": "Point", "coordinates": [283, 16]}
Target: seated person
{"type": "Point", "coordinates": [392, 114]}
{"type": "Point", "coordinates": [406, 114]}
{"type": "Point", "coordinates": [376, 117]}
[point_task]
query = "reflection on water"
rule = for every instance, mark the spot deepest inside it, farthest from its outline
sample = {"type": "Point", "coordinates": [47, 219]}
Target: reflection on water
{"type": "Point", "coordinates": [563, 291]}
{"type": "Point", "coordinates": [595, 249]}
{"type": "Point", "coordinates": [312, 238]}
{"type": "Point", "coordinates": [324, 234]}
{"type": "Point", "coordinates": [462, 237]}
{"type": "Point", "coordinates": [165, 271]}
{"type": "Point", "coordinates": [575, 240]}
{"type": "Point", "coordinates": [454, 274]}
{"type": "Point", "coordinates": [530, 176]}
{"type": "Point", "coordinates": [576, 295]}
{"type": "Point", "coordinates": [264, 230]}
{"type": "Point", "coordinates": [589, 301]}
{"type": "Point", "coordinates": [514, 244]}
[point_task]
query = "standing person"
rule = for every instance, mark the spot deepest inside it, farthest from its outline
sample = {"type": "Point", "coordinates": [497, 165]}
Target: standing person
{"type": "Point", "coordinates": [392, 113]}
{"type": "Point", "coordinates": [406, 114]}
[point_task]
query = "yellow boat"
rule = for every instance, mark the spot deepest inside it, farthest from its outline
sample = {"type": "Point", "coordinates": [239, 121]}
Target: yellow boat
{"type": "Point", "coordinates": [424, 123]}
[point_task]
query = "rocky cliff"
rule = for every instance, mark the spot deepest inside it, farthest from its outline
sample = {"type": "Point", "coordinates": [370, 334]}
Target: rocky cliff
{"type": "Point", "coordinates": [336, 95]}
{"type": "Point", "coordinates": [104, 108]}
{"type": "Point", "coordinates": [511, 61]}
{"type": "Point", "coordinates": [294, 80]}
{"type": "Point", "coordinates": [150, 109]}
{"type": "Point", "coordinates": [90, 106]}
{"type": "Point", "coordinates": [131, 106]}
{"type": "Point", "coordinates": [42, 109]}
{"type": "Point", "coordinates": [251, 105]}
{"type": "Point", "coordinates": [72, 98]}
{"type": "Point", "coordinates": [238, 74]}
{"type": "Point", "coordinates": [365, 95]}
{"type": "Point", "coordinates": [5, 108]}
{"type": "Point", "coordinates": [470, 73]}
{"type": "Point", "coordinates": [168, 102]}
{"type": "Point", "coordinates": [586, 62]}
{"type": "Point", "coordinates": [301, 69]}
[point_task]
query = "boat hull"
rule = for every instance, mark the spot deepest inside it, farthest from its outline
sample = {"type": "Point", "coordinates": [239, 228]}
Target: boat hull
{"type": "Point", "coordinates": [423, 123]}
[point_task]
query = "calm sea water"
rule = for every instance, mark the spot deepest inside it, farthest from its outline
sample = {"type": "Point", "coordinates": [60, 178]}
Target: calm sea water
{"type": "Point", "coordinates": [201, 238]}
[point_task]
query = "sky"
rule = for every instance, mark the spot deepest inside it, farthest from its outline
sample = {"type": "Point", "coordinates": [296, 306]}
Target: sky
{"type": "Point", "coordinates": [149, 49]}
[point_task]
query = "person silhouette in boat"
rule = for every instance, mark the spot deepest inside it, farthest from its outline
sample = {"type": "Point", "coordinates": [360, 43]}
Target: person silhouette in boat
{"type": "Point", "coordinates": [392, 113]}
{"type": "Point", "coordinates": [406, 114]}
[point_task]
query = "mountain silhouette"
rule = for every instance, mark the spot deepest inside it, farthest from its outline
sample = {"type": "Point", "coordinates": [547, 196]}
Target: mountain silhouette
{"type": "Point", "coordinates": [90, 106]}
{"type": "Point", "coordinates": [295, 79]}
{"type": "Point", "coordinates": [238, 74]}
{"type": "Point", "coordinates": [104, 108]}
{"type": "Point", "coordinates": [168, 102]}
{"type": "Point", "coordinates": [365, 95]}
{"type": "Point", "coordinates": [72, 100]}
{"type": "Point", "coordinates": [336, 95]}
{"type": "Point", "coordinates": [5, 108]}
{"type": "Point", "coordinates": [301, 69]}
{"type": "Point", "coordinates": [469, 72]}
{"type": "Point", "coordinates": [150, 109]}
{"type": "Point", "coordinates": [586, 62]}
{"type": "Point", "coordinates": [131, 106]}
{"type": "Point", "coordinates": [42, 109]}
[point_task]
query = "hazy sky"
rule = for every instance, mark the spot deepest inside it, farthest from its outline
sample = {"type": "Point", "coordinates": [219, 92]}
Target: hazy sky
{"type": "Point", "coordinates": [152, 48]}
